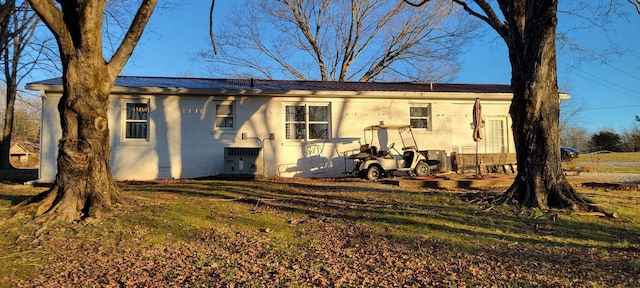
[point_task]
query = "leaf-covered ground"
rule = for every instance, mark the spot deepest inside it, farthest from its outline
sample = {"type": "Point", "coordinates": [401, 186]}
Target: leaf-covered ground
{"type": "Point", "coordinates": [312, 233]}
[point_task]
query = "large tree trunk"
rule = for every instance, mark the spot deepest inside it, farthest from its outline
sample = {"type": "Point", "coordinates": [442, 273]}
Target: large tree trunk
{"type": "Point", "coordinates": [83, 186]}
{"type": "Point", "coordinates": [540, 181]}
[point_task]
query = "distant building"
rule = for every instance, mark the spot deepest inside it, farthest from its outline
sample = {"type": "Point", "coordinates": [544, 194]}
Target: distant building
{"type": "Point", "coordinates": [24, 154]}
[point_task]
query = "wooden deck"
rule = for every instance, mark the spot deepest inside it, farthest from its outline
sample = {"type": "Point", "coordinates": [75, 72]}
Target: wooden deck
{"type": "Point", "coordinates": [490, 163]}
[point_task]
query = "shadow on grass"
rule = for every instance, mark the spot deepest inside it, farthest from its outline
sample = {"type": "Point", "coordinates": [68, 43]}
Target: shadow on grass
{"type": "Point", "coordinates": [413, 212]}
{"type": "Point", "coordinates": [15, 175]}
{"type": "Point", "coordinates": [15, 199]}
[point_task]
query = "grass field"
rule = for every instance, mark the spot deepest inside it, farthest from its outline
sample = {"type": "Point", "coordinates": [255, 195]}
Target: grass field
{"type": "Point", "coordinates": [311, 233]}
{"type": "Point", "coordinates": [622, 162]}
{"type": "Point", "coordinates": [612, 157]}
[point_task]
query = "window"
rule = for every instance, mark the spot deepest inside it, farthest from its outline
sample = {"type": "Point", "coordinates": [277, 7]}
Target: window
{"type": "Point", "coordinates": [224, 116]}
{"type": "Point", "coordinates": [420, 117]}
{"type": "Point", "coordinates": [137, 120]}
{"type": "Point", "coordinates": [307, 122]}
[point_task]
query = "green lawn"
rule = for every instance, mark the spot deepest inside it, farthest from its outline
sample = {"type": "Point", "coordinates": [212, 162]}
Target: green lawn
{"type": "Point", "coordinates": [622, 162]}
{"type": "Point", "coordinates": [310, 233]}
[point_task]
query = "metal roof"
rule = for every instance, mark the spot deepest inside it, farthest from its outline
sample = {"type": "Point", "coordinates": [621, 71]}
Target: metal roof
{"type": "Point", "coordinates": [283, 85]}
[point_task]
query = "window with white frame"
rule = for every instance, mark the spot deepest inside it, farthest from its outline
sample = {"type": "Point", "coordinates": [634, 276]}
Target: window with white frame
{"type": "Point", "coordinates": [136, 120]}
{"type": "Point", "coordinates": [224, 116]}
{"type": "Point", "coordinates": [420, 116]}
{"type": "Point", "coordinates": [307, 121]}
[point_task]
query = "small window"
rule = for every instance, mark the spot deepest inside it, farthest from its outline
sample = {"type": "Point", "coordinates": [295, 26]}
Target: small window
{"type": "Point", "coordinates": [420, 117]}
{"type": "Point", "coordinates": [295, 122]}
{"type": "Point", "coordinates": [137, 120]}
{"type": "Point", "coordinates": [224, 116]}
{"type": "Point", "coordinates": [307, 122]}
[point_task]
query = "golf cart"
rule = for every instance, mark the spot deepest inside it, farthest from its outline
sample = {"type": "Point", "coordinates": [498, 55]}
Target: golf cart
{"type": "Point", "coordinates": [373, 163]}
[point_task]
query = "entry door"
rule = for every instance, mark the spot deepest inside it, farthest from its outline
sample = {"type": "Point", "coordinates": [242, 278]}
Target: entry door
{"type": "Point", "coordinates": [496, 134]}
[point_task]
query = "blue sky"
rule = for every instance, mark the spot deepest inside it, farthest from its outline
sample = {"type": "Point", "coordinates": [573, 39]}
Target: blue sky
{"type": "Point", "coordinates": [608, 94]}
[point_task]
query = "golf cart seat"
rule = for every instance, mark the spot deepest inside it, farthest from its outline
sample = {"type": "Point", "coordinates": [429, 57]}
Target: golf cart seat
{"type": "Point", "coordinates": [365, 152]}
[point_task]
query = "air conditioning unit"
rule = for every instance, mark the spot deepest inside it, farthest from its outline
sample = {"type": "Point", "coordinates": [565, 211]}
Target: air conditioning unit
{"type": "Point", "coordinates": [240, 160]}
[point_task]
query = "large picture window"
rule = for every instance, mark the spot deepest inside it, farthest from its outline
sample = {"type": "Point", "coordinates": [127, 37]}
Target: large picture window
{"type": "Point", "coordinates": [224, 116]}
{"type": "Point", "coordinates": [307, 122]}
{"type": "Point", "coordinates": [420, 117]}
{"type": "Point", "coordinates": [137, 120]}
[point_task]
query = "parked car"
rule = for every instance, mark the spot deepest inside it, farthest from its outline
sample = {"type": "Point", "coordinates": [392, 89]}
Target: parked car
{"type": "Point", "coordinates": [568, 153]}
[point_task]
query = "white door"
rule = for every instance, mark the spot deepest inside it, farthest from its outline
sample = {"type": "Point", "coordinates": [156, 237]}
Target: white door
{"type": "Point", "coordinates": [496, 134]}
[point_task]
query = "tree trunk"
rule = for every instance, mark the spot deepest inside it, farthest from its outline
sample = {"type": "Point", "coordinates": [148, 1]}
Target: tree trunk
{"type": "Point", "coordinates": [83, 186]}
{"type": "Point", "coordinates": [6, 10]}
{"type": "Point", "coordinates": [535, 109]}
{"type": "Point", "coordinates": [5, 138]}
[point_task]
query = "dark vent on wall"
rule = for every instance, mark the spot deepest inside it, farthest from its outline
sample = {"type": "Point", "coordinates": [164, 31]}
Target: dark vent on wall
{"type": "Point", "coordinates": [242, 152]}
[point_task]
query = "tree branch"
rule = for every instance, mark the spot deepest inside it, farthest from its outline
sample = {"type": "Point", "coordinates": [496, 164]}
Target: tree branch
{"type": "Point", "coordinates": [491, 17]}
{"type": "Point", "coordinates": [53, 18]}
{"type": "Point", "coordinates": [134, 33]}
{"type": "Point", "coordinates": [636, 4]}
{"type": "Point", "coordinates": [417, 4]}
{"type": "Point", "coordinates": [213, 41]}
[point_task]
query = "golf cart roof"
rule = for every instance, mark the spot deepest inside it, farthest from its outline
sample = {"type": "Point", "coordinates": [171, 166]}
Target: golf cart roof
{"type": "Point", "coordinates": [387, 127]}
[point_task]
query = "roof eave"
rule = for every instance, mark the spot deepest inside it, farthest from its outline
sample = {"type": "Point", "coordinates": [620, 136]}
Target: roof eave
{"type": "Point", "coordinates": [435, 95]}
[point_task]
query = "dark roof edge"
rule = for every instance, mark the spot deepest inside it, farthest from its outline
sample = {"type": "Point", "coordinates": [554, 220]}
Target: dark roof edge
{"type": "Point", "coordinates": [195, 85]}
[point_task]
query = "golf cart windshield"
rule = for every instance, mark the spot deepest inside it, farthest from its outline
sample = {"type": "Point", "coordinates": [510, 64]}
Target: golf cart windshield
{"type": "Point", "coordinates": [404, 131]}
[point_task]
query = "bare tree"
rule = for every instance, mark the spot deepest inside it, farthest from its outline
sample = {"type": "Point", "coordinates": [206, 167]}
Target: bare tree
{"type": "Point", "coordinates": [631, 137]}
{"type": "Point", "coordinates": [571, 115]}
{"type": "Point", "coordinates": [529, 30]}
{"type": "Point", "coordinates": [358, 40]}
{"type": "Point", "coordinates": [27, 124]}
{"type": "Point", "coordinates": [576, 137]}
{"type": "Point", "coordinates": [19, 31]}
{"type": "Point", "coordinates": [6, 10]}
{"type": "Point", "coordinates": [84, 186]}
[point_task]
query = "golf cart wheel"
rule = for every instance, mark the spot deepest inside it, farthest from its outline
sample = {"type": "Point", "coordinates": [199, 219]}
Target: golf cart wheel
{"type": "Point", "coordinates": [422, 169]}
{"type": "Point", "coordinates": [374, 173]}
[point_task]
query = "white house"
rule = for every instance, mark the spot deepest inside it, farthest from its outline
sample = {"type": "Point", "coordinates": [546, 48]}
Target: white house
{"type": "Point", "coordinates": [192, 127]}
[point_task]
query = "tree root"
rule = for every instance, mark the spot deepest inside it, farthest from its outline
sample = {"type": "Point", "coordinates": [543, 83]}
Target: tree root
{"type": "Point", "coordinates": [585, 207]}
{"type": "Point", "coordinates": [56, 204]}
